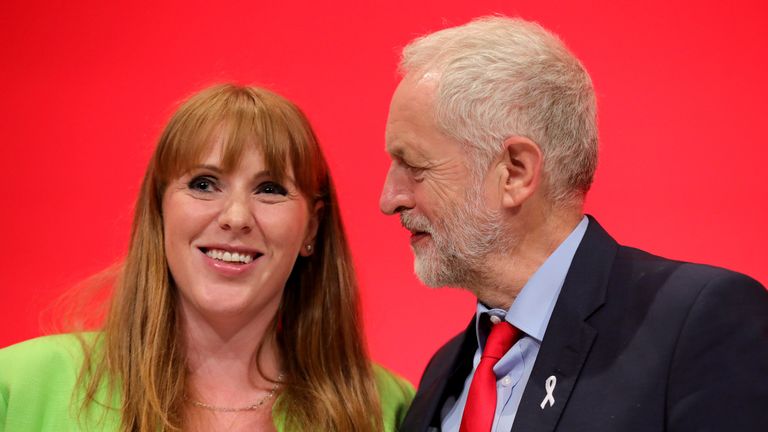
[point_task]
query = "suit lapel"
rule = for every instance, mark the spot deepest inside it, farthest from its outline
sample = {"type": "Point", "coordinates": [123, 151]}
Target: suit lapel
{"type": "Point", "coordinates": [568, 338]}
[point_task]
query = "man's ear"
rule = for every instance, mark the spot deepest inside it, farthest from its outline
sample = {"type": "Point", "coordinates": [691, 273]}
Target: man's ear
{"type": "Point", "coordinates": [308, 247]}
{"type": "Point", "coordinates": [521, 170]}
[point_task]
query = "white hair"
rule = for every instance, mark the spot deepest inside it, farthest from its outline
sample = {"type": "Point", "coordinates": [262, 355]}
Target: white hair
{"type": "Point", "coordinates": [500, 77]}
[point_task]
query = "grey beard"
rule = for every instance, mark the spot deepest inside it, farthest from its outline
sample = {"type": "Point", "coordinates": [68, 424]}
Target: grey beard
{"type": "Point", "coordinates": [462, 240]}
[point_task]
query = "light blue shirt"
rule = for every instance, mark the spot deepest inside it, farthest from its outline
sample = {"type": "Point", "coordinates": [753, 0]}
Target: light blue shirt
{"type": "Point", "coordinates": [530, 312]}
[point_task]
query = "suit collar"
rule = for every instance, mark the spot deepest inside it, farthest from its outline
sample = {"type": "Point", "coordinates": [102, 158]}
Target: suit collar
{"type": "Point", "coordinates": [569, 337]}
{"type": "Point", "coordinates": [534, 304]}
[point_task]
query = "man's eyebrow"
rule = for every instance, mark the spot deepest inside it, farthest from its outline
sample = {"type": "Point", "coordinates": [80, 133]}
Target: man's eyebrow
{"type": "Point", "coordinates": [397, 152]}
{"type": "Point", "coordinates": [397, 149]}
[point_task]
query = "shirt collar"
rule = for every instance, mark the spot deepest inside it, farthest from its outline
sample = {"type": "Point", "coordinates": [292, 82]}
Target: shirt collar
{"type": "Point", "coordinates": [531, 310]}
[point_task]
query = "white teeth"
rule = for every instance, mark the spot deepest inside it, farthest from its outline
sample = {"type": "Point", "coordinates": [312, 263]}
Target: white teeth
{"type": "Point", "coordinates": [229, 256]}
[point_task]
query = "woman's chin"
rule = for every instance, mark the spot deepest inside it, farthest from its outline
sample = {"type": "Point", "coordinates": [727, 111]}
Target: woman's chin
{"type": "Point", "coordinates": [228, 310]}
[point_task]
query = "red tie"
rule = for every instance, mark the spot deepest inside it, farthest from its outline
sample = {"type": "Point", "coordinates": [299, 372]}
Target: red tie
{"type": "Point", "coordinates": [481, 400]}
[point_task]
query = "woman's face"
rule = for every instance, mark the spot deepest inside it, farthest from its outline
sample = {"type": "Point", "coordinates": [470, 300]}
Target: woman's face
{"type": "Point", "coordinates": [231, 239]}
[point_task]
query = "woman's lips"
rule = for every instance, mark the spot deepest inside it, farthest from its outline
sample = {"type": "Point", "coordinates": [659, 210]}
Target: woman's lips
{"type": "Point", "coordinates": [231, 256]}
{"type": "Point", "coordinates": [230, 261]}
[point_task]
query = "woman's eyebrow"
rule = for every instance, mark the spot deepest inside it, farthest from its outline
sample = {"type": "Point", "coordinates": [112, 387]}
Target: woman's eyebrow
{"type": "Point", "coordinates": [210, 167]}
{"type": "Point", "coordinates": [215, 168]}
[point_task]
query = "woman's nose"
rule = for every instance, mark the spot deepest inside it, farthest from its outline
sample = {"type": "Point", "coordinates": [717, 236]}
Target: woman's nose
{"type": "Point", "coordinates": [236, 215]}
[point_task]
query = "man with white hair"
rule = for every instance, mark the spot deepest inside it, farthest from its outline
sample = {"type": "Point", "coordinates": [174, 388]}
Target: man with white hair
{"type": "Point", "coordinates": [493, 139]}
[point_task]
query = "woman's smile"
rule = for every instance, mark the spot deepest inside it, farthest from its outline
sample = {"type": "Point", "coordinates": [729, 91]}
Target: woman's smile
{"type": "Point", "coordinates": [230, 262]}
{"type": "Point", "coordinates": [232, 236]}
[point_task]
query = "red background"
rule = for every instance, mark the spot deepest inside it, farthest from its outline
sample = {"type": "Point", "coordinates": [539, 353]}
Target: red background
{"type": "Point", "coordinates": [87, 86]}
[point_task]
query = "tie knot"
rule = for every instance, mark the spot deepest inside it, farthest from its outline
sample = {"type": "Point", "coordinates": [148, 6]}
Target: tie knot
{"type": "Point", "coordinates": [503, 335]}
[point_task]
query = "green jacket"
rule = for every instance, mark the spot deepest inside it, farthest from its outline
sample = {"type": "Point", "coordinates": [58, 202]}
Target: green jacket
{"type": "Point", "coordinates": [38, 376]}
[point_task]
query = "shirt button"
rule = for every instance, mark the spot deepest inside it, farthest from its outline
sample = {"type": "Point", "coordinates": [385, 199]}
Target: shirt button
{"type": "Point", "coordinates": [506, 381]}
{"type": "Point", "coordinates": [495, 319]}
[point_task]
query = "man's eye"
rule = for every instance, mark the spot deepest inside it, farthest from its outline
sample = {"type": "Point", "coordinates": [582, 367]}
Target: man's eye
{"type": "Point", "coordinates": [414, 170]}
{"type": "Point", "coordinates": [271, 188]}
{"type": "Point", "coordinates": [203, 184]}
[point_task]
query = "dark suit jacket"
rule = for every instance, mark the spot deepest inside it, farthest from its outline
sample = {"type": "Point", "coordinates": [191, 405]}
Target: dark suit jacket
{"type": "Point", "coordinates": [637, 343]}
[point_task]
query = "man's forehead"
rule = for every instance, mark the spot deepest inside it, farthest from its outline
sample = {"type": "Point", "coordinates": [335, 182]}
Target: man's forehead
{"type": "Point", "coordinates": [411, 146]}
{"type": "Point", "coordinates": [401, 147]}
{"type": "Point", "coordinates": [411, 115]}
{"type": "Point", "coordinates": [408, 143]}
{"type": "Point", "coordinates": [420, 85]}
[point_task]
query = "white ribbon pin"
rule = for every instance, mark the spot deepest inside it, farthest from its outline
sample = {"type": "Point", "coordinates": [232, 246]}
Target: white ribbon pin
{"type": "Point", "coordinates": [550, 387]}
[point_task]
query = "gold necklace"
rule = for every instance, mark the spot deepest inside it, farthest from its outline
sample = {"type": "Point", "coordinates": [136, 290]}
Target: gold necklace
{"type": "Point", "coordinates": [254, 406]}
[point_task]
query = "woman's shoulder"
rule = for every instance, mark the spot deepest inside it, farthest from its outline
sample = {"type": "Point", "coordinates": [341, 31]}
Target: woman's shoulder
{"type": "Point", "coordinates": [66, 347]}
{"type": "Point", "coordinates": [47, 355]}
{"type": "Point", "coordinates": [392, 385]}
{"type": "Point", "coordinates": [395, 393]}
{"type": "Point", "coordinates": [44, 361]}
{"type": "Point", "coordinates": [37, 380]}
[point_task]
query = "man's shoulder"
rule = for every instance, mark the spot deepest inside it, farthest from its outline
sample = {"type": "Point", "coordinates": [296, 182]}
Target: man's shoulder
{"type": "Point", "coordinates": [631, 265]}
{"type": "Point", "coordinates": [669, 296]}
{"type": "Point", "coordinates": [641, 268]}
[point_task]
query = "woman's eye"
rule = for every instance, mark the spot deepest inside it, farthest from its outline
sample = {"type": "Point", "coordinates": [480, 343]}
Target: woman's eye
{"type": "Point", "coordinates": [203, 184]}
{"type": "Point", "coordinates": [271, 188]}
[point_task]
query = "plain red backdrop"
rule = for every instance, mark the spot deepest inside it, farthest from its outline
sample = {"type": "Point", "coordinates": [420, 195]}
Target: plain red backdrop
{"type": "Point", "coordinates": [87, 86]}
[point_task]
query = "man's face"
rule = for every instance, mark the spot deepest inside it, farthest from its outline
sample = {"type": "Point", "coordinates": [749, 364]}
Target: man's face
{"type": "Point", "coordinates": [430, 185]}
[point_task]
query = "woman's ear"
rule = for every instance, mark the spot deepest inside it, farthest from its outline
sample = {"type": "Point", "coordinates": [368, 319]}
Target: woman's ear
{"type": "Point", "coordinates": [308, 247]}
{"type": "Point", "coordinates": [521, 168]}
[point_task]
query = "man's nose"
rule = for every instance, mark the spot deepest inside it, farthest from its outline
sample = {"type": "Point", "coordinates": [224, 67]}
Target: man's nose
{"type": "Point", "coordinates": [396, 194]}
